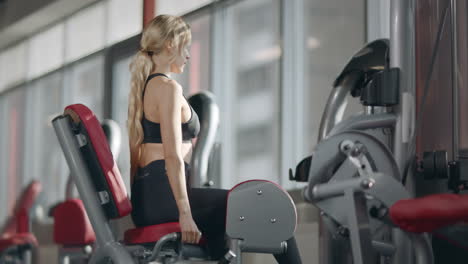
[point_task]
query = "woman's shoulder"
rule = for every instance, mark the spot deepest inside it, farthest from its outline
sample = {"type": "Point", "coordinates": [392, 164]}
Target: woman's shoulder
{"type": "Point", "coordinates": [171, 86]}
{"type": "Point", "coordinates": [165, 86]}
{"type": "Point", "coordinates": [164, 89]}
{"type": "Point", "coordinates": [171, 83]}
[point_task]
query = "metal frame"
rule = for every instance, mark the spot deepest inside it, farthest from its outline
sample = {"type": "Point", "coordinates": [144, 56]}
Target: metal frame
{"type": "Point", "coordinates": [402, 56]}
{"type": "Point", "coordinates": [106, 245]}
{"type": "Point", "coordinates": [336, 104]}
{"type": "Point", "coordinates": [332, 115]}
{"type": "Point", "coordinates": [252, 235]}
{"type": "Point", "coordinates": [364, 122]}
{"type": "Point", "coordinates": [402, 45]}
{"type": "Point", "coordinates": [277, 222]}
{"type": "Point", "coordinates": [344, 199]}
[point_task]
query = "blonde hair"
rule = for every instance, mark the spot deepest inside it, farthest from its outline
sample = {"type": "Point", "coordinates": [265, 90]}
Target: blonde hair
{"type": "Point", "coordinates": [161, 31]}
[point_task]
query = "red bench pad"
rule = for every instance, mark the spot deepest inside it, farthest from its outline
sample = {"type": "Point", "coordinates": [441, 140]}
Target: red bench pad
{"type": "Point", "coordinates": [150, 234]}
{"type": "Point", "coordinates": [429, 213]}
{"type": "Point", "coordinates": [19, 221]}
{"type": "Point", "coordinates": [104, 156]}
{"type": "Point", "coordinates": [71, 224]}
{"type": "Point", "coordinates": [16, 230]}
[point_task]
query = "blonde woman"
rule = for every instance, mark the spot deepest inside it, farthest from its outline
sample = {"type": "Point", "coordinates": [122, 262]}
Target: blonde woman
{"type": "Point", "coordinates": [161, 125]}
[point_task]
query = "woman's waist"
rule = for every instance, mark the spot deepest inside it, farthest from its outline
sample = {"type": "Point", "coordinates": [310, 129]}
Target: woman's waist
{"type": "Point", "coordinates": [157, 169]}
{"type": "Point", "coordinates": [155, 151]}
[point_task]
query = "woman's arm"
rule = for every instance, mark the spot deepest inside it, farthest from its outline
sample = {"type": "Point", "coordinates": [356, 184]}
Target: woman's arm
{"type": "Point", "coordinates": [170, 111]}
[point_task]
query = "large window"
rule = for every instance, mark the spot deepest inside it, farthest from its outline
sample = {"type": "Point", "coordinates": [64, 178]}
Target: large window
{"type": "Point", "coordinates": [31, 94]}
{"type": "Point", "coordinates": [85, 84]}
{"type": "Point", "coordinates": [334, 31]}
{"type": "Point", "coordinates": [44, 159]}
{"type": "Point", "coordinates": [197, 72]}
{"type": "Point", "coordinates": [3, 162]}
{"type": "Point", "coordinates": [250, 108]}
{"type": "Point", "coordinates": [121, 89]}
{"type": "Point", "coordinates": [14, 131]}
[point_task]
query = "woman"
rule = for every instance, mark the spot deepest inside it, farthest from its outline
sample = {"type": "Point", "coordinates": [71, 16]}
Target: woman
{"type": "Point", "coordinates": [161, 124]}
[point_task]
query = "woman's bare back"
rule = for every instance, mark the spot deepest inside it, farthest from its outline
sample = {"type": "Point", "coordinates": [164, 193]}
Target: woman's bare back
{"type": "Point", "coordinates": [155, 151]}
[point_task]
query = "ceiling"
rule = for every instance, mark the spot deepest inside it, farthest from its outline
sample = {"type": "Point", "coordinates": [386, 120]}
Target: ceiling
{"type": "Point", "coordinates": [21, 18]}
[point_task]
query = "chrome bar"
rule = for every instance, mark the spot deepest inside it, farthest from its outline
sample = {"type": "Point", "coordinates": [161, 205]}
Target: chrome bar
{"type": "Point", "coordinates": [362, 122]}
{"type": "Point", "coordinates": [402, 56]}
{"type": "Point", "coordinates": [335, 106]}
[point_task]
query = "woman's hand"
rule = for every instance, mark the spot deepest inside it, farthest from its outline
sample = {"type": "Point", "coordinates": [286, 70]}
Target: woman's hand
{"type": "Point", "coordinates": [190, 232]}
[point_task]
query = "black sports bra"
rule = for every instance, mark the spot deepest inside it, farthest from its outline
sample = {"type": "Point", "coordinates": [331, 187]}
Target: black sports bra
{"type": "Point", "coordinates": [152, 130]}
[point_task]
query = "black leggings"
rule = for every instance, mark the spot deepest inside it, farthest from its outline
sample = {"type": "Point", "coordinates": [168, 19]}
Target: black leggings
{"type": "Point", "coordinates": [151, 190]}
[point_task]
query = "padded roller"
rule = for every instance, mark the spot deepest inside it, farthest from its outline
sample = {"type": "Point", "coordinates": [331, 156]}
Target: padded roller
{"type": "Point", "coordinates": [429, 213]}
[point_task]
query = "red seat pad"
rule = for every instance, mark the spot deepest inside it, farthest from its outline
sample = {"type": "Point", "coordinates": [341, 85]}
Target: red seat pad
{"type": "Point", "coordinates": [106, 160]}
{"type": "Point", "coordinates": [149, 234]}
{"type": "Point", "coordinates": [17, 239]}
{"type": "Point", "coordinates": [71, 224]}
{"type": "Point", "coordinates": [429, 213]}
{"type": "Point", "coordinates": [22, 221]}
{"type": "Point", "coordinates": [16, 222]}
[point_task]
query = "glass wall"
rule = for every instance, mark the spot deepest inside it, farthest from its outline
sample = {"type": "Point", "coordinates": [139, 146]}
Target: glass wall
{"type": "Point", "coordinates": [42, 74]}
{"type": "Point", "coordinates": [334, 31]}
{"type": "Point", "coordinates": [44, 157]}
{"type": "Point", "coordinates": [85, 84]}
{"type": "Point", "coordinates": [120, 91]}
{"type": "Point", "coordinates": [197, 73]}
{"type": "Point", "coordinates": [14, 130]}
{"type": "Point", "coordinates": [250, 120]}
{"type": "Point", "coordinates": [3, 162]}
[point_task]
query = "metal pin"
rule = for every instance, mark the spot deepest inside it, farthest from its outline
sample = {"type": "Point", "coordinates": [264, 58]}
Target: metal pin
{"type": "Point", "coordinates": [367, 183]}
